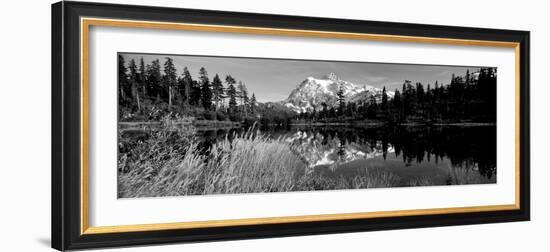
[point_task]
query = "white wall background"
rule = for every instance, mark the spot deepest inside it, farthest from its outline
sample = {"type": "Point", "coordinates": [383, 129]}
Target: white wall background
{"type": "Point", "coordinates": [25, 125]}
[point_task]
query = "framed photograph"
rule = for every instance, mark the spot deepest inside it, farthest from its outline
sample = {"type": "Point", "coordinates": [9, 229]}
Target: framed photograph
{"type": "Point", "coordinates": [181, 125]}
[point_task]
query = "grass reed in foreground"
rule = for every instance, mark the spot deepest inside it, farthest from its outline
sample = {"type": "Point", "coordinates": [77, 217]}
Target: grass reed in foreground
{"type": "Point", "coordinates": [247, 163]}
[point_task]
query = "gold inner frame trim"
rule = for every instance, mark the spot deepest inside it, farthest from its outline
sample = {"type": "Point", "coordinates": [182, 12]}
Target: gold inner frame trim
{"type": "Point", "coordinates": [86, 23]}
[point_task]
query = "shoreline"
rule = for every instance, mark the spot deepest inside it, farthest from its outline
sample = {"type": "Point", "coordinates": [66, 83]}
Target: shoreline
{"type": "Point", "coordinates": [199, 124]}
{"type": "Point", "coordinates": [459, 124]}
{"type": "Point", "coordinates": [214, 124]}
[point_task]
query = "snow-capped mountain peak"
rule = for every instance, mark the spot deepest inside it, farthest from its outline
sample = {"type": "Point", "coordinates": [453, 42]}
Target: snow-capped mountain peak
{"type": "Point", "coordinates": [314, 92]}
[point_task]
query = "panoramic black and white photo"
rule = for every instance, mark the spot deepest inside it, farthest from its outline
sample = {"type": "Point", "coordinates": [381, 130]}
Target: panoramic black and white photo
{"type": "Point", "coordinates": [198, 125]}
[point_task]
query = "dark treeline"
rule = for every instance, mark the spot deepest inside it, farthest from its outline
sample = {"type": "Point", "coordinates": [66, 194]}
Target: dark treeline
{"type": "Point", "coordinates": [471, 97]}
{"type": "Point", "coordinates": [147, 93]}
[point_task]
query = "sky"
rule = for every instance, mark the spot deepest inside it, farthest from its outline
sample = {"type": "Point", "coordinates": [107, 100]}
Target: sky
{"type": "Point", "coordinates": [274, 79]}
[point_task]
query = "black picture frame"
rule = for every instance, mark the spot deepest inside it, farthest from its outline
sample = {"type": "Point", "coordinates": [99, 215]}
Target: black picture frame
{"type": "Point", "coordinates": [66, 125]}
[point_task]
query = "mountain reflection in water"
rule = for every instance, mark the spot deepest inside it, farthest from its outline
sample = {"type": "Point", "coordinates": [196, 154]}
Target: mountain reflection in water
{"type": "Point", "coordinates": [319, 149]}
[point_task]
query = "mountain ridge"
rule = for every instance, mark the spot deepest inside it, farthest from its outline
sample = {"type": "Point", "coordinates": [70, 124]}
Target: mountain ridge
{"type": "Point", "coordinates": [313, 92]}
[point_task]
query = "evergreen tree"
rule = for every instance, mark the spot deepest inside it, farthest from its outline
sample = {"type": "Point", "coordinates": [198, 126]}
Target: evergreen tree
{"type": "Point", "coordinates": [206, 92]}
{"type": "Point", "coordinates": [396, 104]}
{"type": "Point", "coordinates": [341, 100]}
{"type": "Point", "coordinates": [241, 93]}
{"type": "Point", "coordinates": [186, 83]}
{"type": "Point", "coordinates": [142, 78]}
{"type": "Point", "coordinates": [217, 91]}
{"type": "Point", "coordinates": [384, 101]}
{"type": "Point", "coordinates": [196, 93]}
{"type": "Point", "coordinates": [436, 92]}
{"type": "Point", "coordinates": [420, 98]}
{"type": "Point", "coordinates": [154, 79]}
{"type": "Point", "coordinates": [350, 109]}
{"type": "Point", "coordinates": [231, 93]}
{"type": "Point", "coordinates": [430, 106]}
{"type": "Point", "coordinates": [408, 102]}
{"type": "Point", "coordinates": [324, 112]}
{"type": "Point", "coordinates": [133, 78]}
{"type": "Point", "coordinates": [170, 78]}
{"type": "Point", "coordinates": [373, 108]}
{"type": "Point", "coordinates": [122, 78]}
{"type": "Point", "coordinates": [487, 92]}
{"type": "Point", "coordinates": [193, 87]}
{"type": "Point", "coordinates": [419, 93]}
{"type": "Point", "coordinates": [133, 72]}
{"type": "Point", "coordinates": [253, 108]}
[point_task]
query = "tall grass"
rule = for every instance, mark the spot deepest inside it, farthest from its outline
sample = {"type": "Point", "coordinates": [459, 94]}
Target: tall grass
{"type": "Point", "coordinates": [251, 163]}
{"type": "Point", "coordinates": [368, 178]}
{"type": "Point", "coordinates": [465, 175]}
{"type": "Point", "coordinates": [421, 181]}
{"type": "Point", "coordinates": [247, 163]}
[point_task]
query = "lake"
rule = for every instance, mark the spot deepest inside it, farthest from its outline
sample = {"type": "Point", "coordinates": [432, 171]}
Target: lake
{"type": "Point", "coordinates": [315, 157]}
{"type": "Point", "coordinates": [417, 155]}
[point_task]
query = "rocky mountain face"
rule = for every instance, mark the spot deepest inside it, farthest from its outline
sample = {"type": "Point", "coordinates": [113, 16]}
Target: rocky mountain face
{"type": "Point", "coordinates": [313, 92]}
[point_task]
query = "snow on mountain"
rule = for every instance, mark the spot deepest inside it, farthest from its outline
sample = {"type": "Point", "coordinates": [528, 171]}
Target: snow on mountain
{"type": "Point", "coordinates": [313, 92]}
{"type": "Point", "coordinates": [317, 150]}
